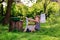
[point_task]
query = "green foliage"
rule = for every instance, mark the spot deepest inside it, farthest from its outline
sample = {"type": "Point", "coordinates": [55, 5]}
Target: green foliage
{"type": "Point", "coordinates": [36, 9]}
{"type": "Point", "coordinates": [15, 11]}
{"type": "Point", "coordinates": [0, 8]}
{"type": "Point", "coordinates": [20, 9]}
{"type": "Point", "coordinates": [53, 10]}
{"type": "Point", "coordinates": [1, 18]}
{"type": "Point", "coordinates": [39, 0]}
{"type": "Point", "coordinates": [53, 7]}
{"type": "Point", "coordinates": [4, 10]}
{"type": "Point", "coordinates": [52, 19]}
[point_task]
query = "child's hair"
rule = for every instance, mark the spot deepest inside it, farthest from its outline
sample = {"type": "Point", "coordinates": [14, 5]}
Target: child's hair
{"type": "Point", "coordinates": [37, 16]}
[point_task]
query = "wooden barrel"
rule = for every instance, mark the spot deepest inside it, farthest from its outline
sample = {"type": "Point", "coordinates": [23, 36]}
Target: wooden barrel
{"type": "Point", "coordinates": [16, 25]}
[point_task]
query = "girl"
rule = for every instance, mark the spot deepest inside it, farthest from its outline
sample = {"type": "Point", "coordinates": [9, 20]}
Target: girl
{"type": "Point", "coordinates": [32, 28]}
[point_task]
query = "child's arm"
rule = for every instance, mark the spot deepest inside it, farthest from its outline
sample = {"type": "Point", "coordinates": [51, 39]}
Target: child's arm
{"type": "Point", "coordinates": [36, 20]}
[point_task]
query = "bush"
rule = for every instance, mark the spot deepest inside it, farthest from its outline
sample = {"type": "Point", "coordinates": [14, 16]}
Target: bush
{"type": "Point", "coordinates": [36, 9]}
{"type": "Point", "coordinates": [53, 7]}
{"type": "Point", "coordinates": [22, 10]}
{"type": "Point", "coordinates": [18, 10]}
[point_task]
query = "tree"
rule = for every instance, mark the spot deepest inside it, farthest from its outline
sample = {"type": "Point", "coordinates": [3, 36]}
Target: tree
{"type": "Point", "coordinates": [8, 12]}
{"type": "Point", "coordinates": [1, 6]}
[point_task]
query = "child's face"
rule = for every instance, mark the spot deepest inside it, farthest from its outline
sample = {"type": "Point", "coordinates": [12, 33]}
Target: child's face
{"type": "Point", "coordinates": [37, 17]}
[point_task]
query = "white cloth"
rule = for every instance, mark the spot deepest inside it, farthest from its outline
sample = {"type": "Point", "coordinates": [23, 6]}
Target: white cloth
{"type": "Point", "coordinates": [42, 18]}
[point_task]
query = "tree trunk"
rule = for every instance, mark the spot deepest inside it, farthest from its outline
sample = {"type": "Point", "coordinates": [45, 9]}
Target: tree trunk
{"type": "Point", "coordinates": [8, 12]}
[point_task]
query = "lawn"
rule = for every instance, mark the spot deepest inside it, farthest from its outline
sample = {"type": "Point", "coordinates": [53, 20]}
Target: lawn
{"type": "Point", "coordinates": [47, 32]}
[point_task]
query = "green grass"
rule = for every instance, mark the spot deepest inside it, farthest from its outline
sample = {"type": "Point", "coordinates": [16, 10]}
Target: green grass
{"type": "Point", "coordinates": [47, 32]}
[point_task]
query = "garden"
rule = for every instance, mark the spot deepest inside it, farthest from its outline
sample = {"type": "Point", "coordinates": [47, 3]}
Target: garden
{"type": "Point", "coordinates": [14, 12]}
